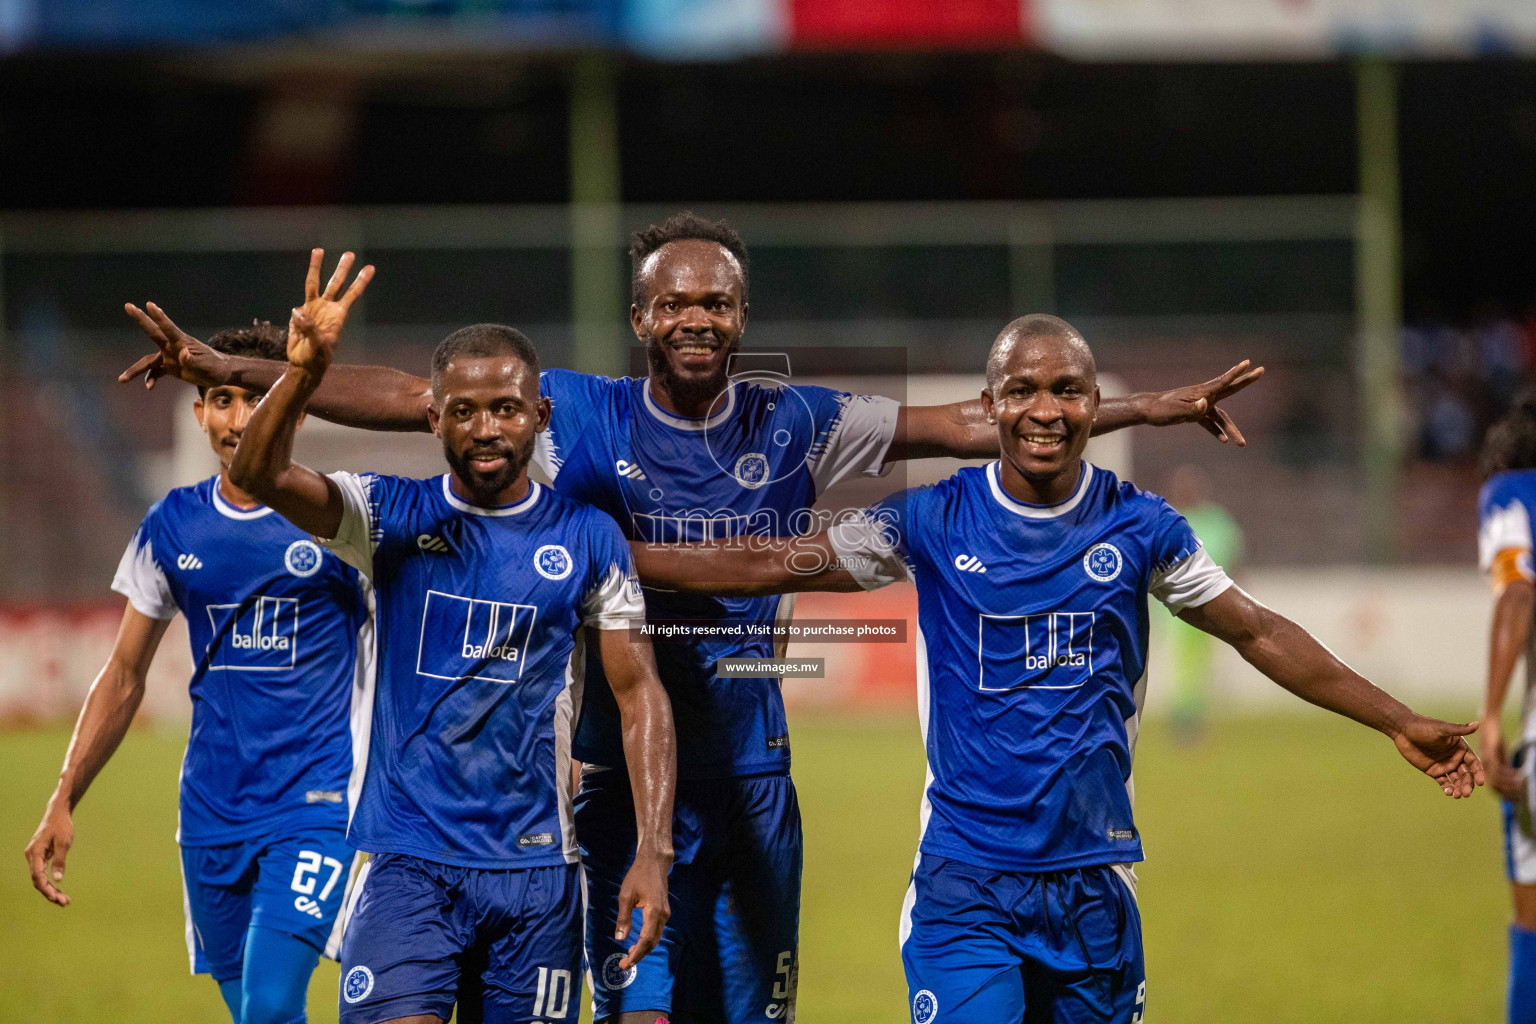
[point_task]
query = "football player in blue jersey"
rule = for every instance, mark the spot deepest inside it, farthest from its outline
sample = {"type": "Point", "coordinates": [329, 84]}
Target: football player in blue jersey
{"type": "Point", "coordinates": [1505, 509]}
{"type": "Point", "coordinates": [490, 587]}
{"type": "Point", "coordinates": [274, 623]}
{"type": "Point", "coordinates": [685, 453]}
{"type": "Point", "coordinates": [1032, 577]}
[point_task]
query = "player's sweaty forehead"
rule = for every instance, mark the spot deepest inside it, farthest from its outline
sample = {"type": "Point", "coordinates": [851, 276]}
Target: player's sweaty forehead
{"type": "Point", "coordinates": [691, 268]}
{"type": "Point", "coordinates": [482, 380]}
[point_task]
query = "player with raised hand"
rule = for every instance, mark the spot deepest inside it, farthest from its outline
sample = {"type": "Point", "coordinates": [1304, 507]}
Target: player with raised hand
{"type": "Point", "coordinates": [490, 588]}
{"type": "Point", "coordinates": [1032, 577]}
{"type": "Point", "coordinates": [683, 453]}
{"type": "Point", "coordinates": [274, 623]}
{"type": "Point", "coordinates": [1505, 509]}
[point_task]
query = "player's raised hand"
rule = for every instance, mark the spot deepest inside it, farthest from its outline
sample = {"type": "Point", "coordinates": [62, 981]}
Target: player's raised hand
{"type": "Point", "coordinates": [315, 327]}
{"type": "Point", "coordinates": [1438, 750]}
{"type": "Point", "coordinates": [1197, 403]}
{"type": "Point", "coordinates": [46, 853]}
{"type": "Point", "coordinates": [177, 354]}
{"type": "Point", "coordinates": [645, 887]}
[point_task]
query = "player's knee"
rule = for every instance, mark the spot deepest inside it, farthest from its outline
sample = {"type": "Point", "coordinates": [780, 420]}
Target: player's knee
{"type": "Point", "coordinates": [264, 1006]}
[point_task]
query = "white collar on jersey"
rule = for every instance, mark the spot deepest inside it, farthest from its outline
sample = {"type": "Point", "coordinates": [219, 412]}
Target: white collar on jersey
{"type": "Point", "coordinates": [480, 510]}
{"type": "Point", "coordinates": [687, 423]}
{"type": "Point", "coordinates": [1061, 508]}
{"type": "Point", "coordinates": [229, 511]}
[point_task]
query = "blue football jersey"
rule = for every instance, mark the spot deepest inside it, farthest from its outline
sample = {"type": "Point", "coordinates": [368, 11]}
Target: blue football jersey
{"type": "Point", "coordinates": [1032, 646]}
{"type": "Point", "coordinates": [753, 467]}
{"type": "Point", "coordinates": [274, 623]}
{"type": "Point", "coordinates": [1505, 507]}
{"type": "Point", "coordinates": [480, 665]}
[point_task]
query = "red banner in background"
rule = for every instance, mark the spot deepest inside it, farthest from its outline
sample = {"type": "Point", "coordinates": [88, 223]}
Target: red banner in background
{"type": "Point", "coordinates": [859, 675]}
{"type": "Point", "coordinates": [926, 23]}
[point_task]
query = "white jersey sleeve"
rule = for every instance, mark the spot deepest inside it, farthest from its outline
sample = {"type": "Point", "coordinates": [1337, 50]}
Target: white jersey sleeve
{"type": "Point", "coordinates": [1191, 583]}
{"type": "Point", "coordinates": [856, 442]}
{"type": "Point", "coordinates": [867, 551]}
{"type": "Point", "coordinates": [141, 581]}
{"type": "Point", "coordinates": [1504, 527]}
{"type": "Point", "coordinates": [615, 603]}
{"type": "Point", "coordinates": [357, 537]}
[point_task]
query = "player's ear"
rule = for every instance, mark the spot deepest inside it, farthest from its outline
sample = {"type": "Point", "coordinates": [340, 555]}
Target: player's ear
{"type": "Point", "coordinates": [197, 409]}
{"type": "Point", "coordinates": [987, 406]}
{"type": "Point", "coordinates": [434, 417]}
{"type": "Point", "coordinates": [637, 320]}
{"type": "Point", "coordinates": [744, 308]}
{"type": "Point", "coordinates": [544, 408]}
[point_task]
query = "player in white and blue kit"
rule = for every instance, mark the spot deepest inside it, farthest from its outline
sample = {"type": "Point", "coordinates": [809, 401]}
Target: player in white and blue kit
{"type": "Point", "coordinates": [274, 624]}
{"type": "Point", "coordinates": [689, 452]}
{"type": "Point", "coordinates": [1505, 509]}
{"type": "Point", "coordinates": [489, 588]}
{"type": "Point", "coordinates": [1033, 575]}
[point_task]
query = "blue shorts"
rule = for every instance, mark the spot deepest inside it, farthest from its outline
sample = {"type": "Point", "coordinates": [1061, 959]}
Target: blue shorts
{"type": "Point", "coordinates": [985, 945]}
{"type": "Point", "coordinates": [502, 945]}
{"type": "Point", "coordinates": [291, 883]}
{"type": "Point", "coordinates": [730, 950]}
{"type": "Point", "coordinates": [1519, 828]}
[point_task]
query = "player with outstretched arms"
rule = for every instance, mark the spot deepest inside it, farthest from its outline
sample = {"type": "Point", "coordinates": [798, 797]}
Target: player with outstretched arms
{"type": "Point", "coordinates": [490, 590]}
{"type": "Point", "coordinates": [680, 454]}
{"type": "Point", "coordinates": [277, 684]}
{"type": "Point", "coordinates": [1032, 577]}
{"type": "Point", "coordinates": [1505, 510]}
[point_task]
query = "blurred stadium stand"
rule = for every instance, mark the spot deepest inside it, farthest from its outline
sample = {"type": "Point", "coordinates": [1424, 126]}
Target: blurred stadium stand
{"type": "Point", "coordinates": [1193, 184]}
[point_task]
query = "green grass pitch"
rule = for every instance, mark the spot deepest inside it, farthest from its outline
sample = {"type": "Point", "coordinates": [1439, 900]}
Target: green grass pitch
{"type": "Point", "coordinates": [1298, 871]}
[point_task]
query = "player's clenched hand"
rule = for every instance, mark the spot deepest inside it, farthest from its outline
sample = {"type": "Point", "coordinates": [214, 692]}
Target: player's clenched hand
{"type": "Point", "coordinates": [177, 354]}
{"type": "Point", "coordinates": [1503, 779]}
{"type": "Point", "coordinates": [645, 886]}
{"type": "Point", "coordinates": [1437, 749]}
{"type": "Point", "coordinates": [1198, 403]}
{"type": "Point", "coordinates": [315, 327]}
{"type": "Point", "coordinates": [46, 852]}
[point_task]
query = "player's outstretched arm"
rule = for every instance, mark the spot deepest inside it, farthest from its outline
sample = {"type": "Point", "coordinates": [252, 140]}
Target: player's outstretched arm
{"type": "Point", "coordinates": [745, 566]}
{"type": "Point", "coordinates": [263, 465]}
{"type": "Point", "coordinates": [650, 750]}
{"type": "Point", "coordinates": [1292, 657]}
{"type": "Point", "coordinates": [109, 708]}
{"type": "Point", "coordinates": [1507, 641]}
{"type": "Point", "coordinates": [961, 430]}
{"type": "Point", "coordinates": [369, 397]}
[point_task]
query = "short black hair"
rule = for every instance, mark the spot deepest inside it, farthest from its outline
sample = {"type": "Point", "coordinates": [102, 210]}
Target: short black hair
{"type": "Point", "coordinates": [678, 228]}
{"type": "Point", "coordinates": [482, 340]}
{"type": "Point", "coordinates": [1511, 442]}
{"type": "Point", "coordinates": [261, 340]}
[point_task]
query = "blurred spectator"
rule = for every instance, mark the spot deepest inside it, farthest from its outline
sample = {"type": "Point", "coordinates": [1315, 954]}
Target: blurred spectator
{"type": "Point", "coordinates": [1460, 377]}
{"type": "Point", "coordinates": [1190, 650]}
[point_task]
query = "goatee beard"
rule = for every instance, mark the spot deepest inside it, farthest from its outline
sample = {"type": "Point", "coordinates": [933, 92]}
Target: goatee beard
{"type": "Point", "coordinates": [687, 392]}
{"type": "Point", "coordinates": [484, 489]}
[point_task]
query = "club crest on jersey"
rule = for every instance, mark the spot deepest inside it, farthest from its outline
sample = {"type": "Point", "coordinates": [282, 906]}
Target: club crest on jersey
{"type": "Point", "coordinates": [1103, 562]}
{"type": "Point", "coordinates": [302, 558]}
{"type": "Point", "coordinates": [925, 1007]}
{"type": "Point", "coordinates": [358, 983]}
{"type": "Point", "coordinates": [751, 470]}
{"type": "Point", "coordinates": [616, 977]}
{"type": "Point", "coordinates": [552, 561]}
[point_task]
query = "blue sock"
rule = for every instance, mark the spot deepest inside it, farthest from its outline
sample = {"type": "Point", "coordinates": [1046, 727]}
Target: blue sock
{"type": "Point", "coordinates": [277, 970]}
{"type": "Point", "coordinates": [1522, 975]}
{"type": "Point", "coordinates": [233, 992]}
